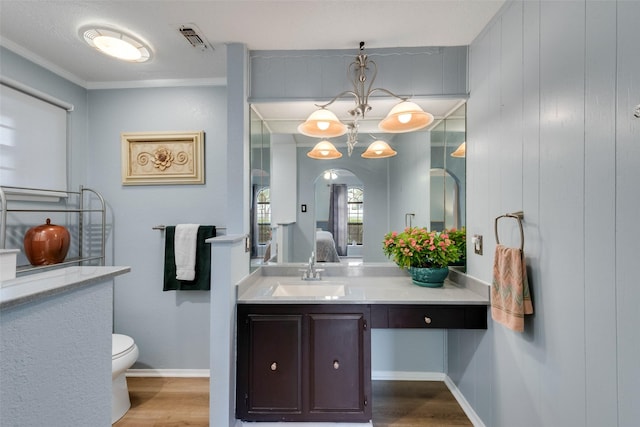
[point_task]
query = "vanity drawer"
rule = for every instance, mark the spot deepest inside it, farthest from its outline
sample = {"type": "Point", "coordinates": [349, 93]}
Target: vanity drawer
{"type": "Point", "coordinates": [426, 317]}
{"type": "Point", "coordinates": [429, 316]}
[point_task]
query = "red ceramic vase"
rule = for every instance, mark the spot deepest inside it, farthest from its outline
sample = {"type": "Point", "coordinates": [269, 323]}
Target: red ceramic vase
{"type": "Point", "coordinates": [46, 244]}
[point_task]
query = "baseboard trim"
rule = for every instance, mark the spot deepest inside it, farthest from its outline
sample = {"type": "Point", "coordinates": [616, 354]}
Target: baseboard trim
{"type": "Point", "coordinates": [176, 373]}
{"type": "Point", "coordinates": [407, 376]}
{"type": "Point", "coordinates": [464, 404]}
{"type": "Point", "coordinates": [300, 424]}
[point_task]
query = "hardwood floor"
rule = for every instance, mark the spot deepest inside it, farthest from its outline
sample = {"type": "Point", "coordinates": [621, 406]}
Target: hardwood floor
{"type": "Point", "coordinates": [176, 402]}
{"type": "Point", "coordinates": [167, 402]}
{"type": "Point", "coordinates": [415, 404]}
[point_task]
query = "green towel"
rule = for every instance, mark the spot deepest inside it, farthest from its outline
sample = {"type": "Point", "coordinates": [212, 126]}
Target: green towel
{"type": "Point", "coordinates": [202, 281]}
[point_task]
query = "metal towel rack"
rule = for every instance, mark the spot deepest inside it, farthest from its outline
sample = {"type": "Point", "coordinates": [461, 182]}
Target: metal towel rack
{"type": "Point", "coordinates": [519, 216]}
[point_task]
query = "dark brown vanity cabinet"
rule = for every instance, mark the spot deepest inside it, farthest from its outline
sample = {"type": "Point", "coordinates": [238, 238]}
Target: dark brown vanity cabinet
{"type": "Point", "coordinates": [303, 362]}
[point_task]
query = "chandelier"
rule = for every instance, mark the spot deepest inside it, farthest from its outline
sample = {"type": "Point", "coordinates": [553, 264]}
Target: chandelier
{"type": "Point", "coordinates": [406, 116]}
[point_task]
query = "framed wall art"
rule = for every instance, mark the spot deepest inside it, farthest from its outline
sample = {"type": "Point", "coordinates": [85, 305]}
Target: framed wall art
{"type": "Point", "coordinates": [161, 158]}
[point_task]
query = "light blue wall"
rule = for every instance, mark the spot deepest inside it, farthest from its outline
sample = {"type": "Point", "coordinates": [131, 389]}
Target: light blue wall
{"type": "Point", "coordinates": [170, 328]}
{"type": "Point", "coordinates": [320, 74]}
{"type": "Point", "coordinates": [550, 132]}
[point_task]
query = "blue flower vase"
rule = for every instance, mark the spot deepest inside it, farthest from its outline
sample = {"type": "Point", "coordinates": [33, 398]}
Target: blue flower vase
{"type": "Point", "coordinates": [429, 277]}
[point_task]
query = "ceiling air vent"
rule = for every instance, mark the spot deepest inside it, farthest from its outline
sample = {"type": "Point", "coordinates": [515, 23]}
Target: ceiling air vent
{"type": "Point", "coordinates": [190, 33]}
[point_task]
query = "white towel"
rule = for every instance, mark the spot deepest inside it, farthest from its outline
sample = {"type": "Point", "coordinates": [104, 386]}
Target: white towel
{"type": "Point", "coordinates": [184, 247]}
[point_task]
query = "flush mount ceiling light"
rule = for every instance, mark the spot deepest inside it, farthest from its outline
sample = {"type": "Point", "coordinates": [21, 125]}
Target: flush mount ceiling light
{"type": "Point", "coordinates": [405, 117]}
{"type": "Point", "coordinates": [116, 44]}
{"type": "Point", "coordinates": [324, 150]}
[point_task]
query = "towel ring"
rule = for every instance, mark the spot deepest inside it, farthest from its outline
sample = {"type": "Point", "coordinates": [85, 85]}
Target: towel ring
{"type": "Point", "coordinates": [516, 215]}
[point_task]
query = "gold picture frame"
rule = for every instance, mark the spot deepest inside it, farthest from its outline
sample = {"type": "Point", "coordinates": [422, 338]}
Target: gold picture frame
{"type": "Point", "coordinates": [161, 158]}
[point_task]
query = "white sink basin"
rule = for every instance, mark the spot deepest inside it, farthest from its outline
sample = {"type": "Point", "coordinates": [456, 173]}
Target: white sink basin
{"type": "Point", "coordinates": [327, 290]}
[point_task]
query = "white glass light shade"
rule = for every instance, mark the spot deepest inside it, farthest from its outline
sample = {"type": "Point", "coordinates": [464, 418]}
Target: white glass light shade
{"type": "Point", "coordinates": [379, 149]}
{"type": "Point", "coordinates": [330, 175]}
{"type": "Point", "coordinates": [322, 123]}
{"type": "Point", "coordinates": [461, 151]}
{"type": "Point", "coordinates": [116, 44]}
{"type": "Point", "coordinates": [324, 150]}
{"type": "Point", "coordinates": [406, 116]}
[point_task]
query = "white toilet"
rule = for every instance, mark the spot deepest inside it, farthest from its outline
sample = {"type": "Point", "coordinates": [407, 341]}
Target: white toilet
{"type": "Point", "coordinates": [124, 353]}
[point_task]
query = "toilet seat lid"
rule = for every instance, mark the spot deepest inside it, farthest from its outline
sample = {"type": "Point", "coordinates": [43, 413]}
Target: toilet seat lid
{"type": "Point", "coordinates": [120, 344]}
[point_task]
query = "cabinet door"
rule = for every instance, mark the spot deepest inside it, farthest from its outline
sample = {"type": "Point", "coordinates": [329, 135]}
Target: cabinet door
{"type": "Point", "coordinates": [339, 367]}
{"type": "Point", "coordinates": [273, 360]}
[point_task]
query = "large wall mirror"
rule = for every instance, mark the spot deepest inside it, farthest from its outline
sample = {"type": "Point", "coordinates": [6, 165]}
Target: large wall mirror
{"type": "Point", "coordinates": [423, 185]}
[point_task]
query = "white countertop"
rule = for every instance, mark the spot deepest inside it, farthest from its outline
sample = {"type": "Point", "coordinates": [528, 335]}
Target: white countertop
{"type": "Point", "coordinates": [366, 284]}
{"type": "Point", "coordinates": [32, 287]}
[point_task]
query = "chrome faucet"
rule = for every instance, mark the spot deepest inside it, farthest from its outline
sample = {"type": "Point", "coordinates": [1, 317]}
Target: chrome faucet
{"type": "Point", "coordinates": [311, 272]}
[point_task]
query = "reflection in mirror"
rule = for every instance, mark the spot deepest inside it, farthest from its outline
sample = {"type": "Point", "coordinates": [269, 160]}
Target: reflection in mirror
{"type": "Point", "coordinates": [339, 216]}
{"type": "Point", "coordinates": [445, 210]}
{"type": "Point", "coordinates": [260, 216]}
{"type": "Point", "coordinates": [398, 190]}
{"type": "Point", "coordinates": [448, 172]}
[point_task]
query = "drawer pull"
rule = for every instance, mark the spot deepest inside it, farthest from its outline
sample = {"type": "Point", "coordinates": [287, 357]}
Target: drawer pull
{"type": "Point", "coordinates": [336, 364]}
{"type": "Point", "coordinates": [274, 366]}
{"type": "Point", "coordinates": [427, 320]}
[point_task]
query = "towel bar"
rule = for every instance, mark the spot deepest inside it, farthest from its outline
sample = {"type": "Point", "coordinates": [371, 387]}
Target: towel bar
{"type": "Point", "coordinates": [163, 227]}
{"type": "Point", "coordinates": [516, 215]}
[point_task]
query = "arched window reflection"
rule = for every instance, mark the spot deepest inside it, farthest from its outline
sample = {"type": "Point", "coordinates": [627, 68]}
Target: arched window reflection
{"type": "Point", "coordinates": [355, 216]}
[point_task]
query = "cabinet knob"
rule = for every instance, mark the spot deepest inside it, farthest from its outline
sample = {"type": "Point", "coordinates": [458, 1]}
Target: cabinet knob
{"type": "Point", "coordinates": [427, 320]}
{"type": "Point", "coordinates": [274, 366]}
{"type": "Point", "coordinates": [336, 364]}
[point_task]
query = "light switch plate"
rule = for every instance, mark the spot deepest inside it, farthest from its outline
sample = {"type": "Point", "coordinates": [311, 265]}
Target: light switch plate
{"type": "Point", "coordinates": [477, 244]}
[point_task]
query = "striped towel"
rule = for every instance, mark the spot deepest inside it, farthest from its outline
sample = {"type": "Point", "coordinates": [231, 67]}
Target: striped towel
{"type": "Point", "coordinates": [510, 297]}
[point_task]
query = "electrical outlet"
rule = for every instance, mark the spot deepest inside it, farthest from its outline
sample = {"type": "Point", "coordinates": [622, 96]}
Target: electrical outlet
{"type": "Point", "coordinates": [477, 244]}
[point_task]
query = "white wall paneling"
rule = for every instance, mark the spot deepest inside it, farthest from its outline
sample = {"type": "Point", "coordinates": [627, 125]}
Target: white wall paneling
{"type": "Point", "coordinates": [627, 247]}
{"type": "Point", "coordinates": [599, 212]}
{"type": "Point", "coordinates": [550, 131]}
{"type": "Point", "coordinates": [561, 226]}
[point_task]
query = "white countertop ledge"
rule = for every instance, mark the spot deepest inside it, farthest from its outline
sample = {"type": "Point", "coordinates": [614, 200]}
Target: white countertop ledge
{"type": "Point", "coordinates": [375, 284]}
{"type": "Point", "coordinates": [33, 287]}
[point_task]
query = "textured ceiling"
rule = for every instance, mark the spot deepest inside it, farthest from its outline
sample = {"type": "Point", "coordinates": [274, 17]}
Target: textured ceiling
{"type": "Point", "coordinates": [47, 32]}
